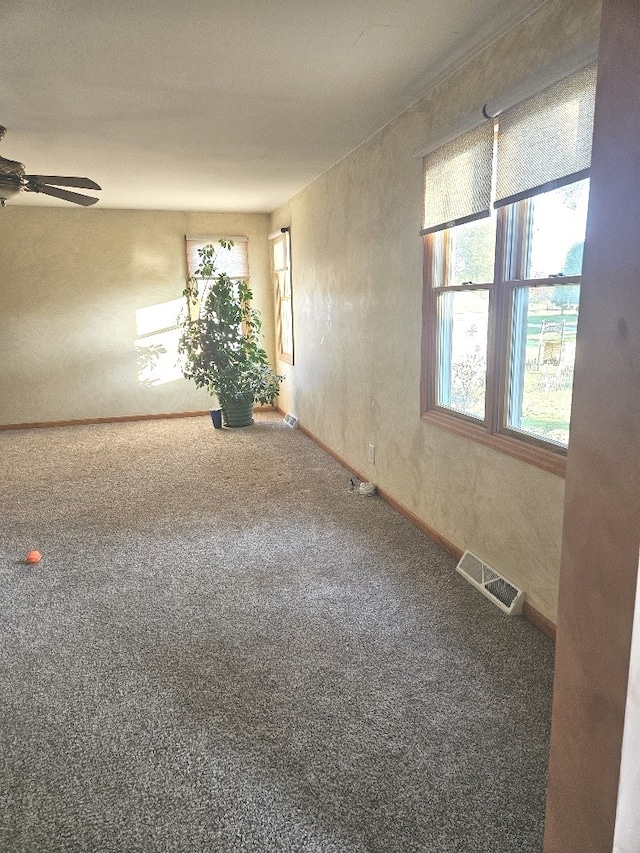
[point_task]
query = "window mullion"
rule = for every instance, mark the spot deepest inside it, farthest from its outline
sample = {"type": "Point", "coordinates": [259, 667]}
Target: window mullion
{"type": "Point", "coordinates": [518, 219]}
{"type": "Point", "coordinates": [497, 326]}
{"type": "Point", "coordinates": [443, 323]}
{"type": "Point", "coordinates": [444, 276]}
{"type": "Point", "coordinates": [515, 363]}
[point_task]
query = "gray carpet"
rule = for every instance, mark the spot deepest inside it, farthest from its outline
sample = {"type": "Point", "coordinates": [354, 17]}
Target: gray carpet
{"type": "Point", "coordinates": [224, 649]}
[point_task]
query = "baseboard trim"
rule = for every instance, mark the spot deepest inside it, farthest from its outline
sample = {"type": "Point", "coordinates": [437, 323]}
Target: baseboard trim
{"type": "Point", "coordinates": [534, 616]}
{"type": "Point", "coordinates": [117, 419]}
{"type": "Point", "coordinates": [436, 537]}
{"type": "Point", "coordinates": [112, 420]}
{"type": "Point", "coordinates": [539, 620]}
{"type": "Point", "coordinates": [400, 508]}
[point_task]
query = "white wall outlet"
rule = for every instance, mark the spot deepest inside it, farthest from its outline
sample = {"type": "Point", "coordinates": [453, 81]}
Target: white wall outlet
{"type": "Point", "coordinates": [372, 454]}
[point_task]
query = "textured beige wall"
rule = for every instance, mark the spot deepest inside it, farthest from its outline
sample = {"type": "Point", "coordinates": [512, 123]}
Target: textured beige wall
{"type": "Point", "coordinates": [85, 293]}
{"type": "Point", "coordinates": [357, 279]}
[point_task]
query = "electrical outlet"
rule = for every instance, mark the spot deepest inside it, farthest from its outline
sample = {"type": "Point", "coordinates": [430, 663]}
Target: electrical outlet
{"type": "Point", "coordinates": [372, 454]}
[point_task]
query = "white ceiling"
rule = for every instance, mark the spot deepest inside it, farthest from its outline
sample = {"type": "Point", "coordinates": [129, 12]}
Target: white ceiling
{"type": "Point", "coordinates": [225, 105]}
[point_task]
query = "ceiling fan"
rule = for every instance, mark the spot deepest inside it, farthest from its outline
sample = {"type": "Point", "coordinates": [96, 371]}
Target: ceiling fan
{"type": "Point", "coordinates": [13, 179]}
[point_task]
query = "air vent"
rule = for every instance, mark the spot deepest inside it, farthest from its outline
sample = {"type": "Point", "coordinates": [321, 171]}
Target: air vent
{"type": "Point", "coordinates": [290, 420]}
{"type": "Point", "coordinates": [504, 594]}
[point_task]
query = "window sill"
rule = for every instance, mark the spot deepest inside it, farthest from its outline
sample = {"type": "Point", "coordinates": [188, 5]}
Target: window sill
{"type": "Point", "coordinates": [548, 460]}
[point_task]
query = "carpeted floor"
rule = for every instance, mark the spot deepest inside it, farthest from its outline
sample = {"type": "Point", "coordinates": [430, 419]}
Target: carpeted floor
{"type": "Point", "coordinates": [224, 649]}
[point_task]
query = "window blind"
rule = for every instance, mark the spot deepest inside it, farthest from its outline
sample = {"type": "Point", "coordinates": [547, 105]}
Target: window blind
{"type": "Point", "coordinates": [457, 180]}
{"type": "Point", "coordinates": [234, 262]}
{"type": "Point", "coordinates": [545, 141]}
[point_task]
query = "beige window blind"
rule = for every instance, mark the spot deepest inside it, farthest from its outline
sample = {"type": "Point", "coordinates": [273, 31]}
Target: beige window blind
{"type": "Point", "coordinates": [545, 141]}
{"type": "Point", "coordinates": [234, 262]}
{"type": "Point", "coordinates": [457, 180]}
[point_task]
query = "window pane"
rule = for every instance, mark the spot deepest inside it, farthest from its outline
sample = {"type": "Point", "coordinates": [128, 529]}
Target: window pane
{"type": "Point", "coordinates": [462, 351]}
{"type": "Point", "coordinates": [543, 344]}
{"type": "Point", "coordinates": [286, 327]}
{"type": "Point", "coordinates": [472, 251]}
{"type": "Point", "coordinates": [558, 224]}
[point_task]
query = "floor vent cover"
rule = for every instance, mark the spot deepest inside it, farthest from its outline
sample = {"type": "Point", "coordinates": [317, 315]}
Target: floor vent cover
{"type": "Point", "coordinates": [290, 420]}
{"type": "Point", "coordinates": [496, 588]}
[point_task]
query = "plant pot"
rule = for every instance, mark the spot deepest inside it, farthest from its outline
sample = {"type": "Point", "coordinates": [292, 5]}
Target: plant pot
{"type": "Point", "coordinates": [238, 412]}
{"type": "Point", "coordinates": [216, 417]}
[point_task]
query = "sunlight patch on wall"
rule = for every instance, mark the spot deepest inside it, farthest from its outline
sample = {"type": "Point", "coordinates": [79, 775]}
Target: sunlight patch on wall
{"type": "Point", "coordinates": [157, 344]}
{"type": "Point", "coordinates": [154, 318]}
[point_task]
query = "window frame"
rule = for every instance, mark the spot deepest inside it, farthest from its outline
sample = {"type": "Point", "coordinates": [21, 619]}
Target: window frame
{"type": "Point", "coordinates": [542, 143]}
{"type": "Point", "coordinates": [239, 251]}
{"type": "Point", "coordinates": [512, 242]}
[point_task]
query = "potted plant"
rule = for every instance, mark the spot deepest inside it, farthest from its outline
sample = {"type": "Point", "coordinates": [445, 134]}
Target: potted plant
{"type": "Point", "coordinates": [220, 341]}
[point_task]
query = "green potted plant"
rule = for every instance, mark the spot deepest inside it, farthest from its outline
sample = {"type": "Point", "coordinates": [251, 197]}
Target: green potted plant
{"type": "Point", "coordinates": [220, 341]}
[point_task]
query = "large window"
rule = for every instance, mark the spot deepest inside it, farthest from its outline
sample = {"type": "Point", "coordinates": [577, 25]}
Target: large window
{"type": "Point", "coordinates": [505, 209]}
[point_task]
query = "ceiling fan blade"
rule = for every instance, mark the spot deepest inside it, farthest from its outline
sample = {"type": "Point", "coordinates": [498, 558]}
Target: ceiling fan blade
{"type": "Point", "coordinates": [76, 198]}
{"type": "Point", "coordinates": [62, 181]}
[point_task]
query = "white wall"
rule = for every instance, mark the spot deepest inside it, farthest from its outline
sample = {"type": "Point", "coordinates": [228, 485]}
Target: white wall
{"type": "Point", "coordinates": [357, 282]}
{"type": "Point", "coordinates": [84, 293]}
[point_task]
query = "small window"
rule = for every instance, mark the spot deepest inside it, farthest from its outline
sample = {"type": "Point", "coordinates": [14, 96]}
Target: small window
{"type": "Point", "coordinates": [281, 268]}
{"type": "Point", "coordinates": [234, 261]}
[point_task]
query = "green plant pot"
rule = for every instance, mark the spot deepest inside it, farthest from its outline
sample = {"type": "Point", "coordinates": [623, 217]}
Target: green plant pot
{"type": "Point", "coordinates": [238, 412]}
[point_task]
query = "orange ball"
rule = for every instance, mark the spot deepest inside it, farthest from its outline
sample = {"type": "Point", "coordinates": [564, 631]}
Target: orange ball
{"type": "Point", "coordinates": [33, 557]}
